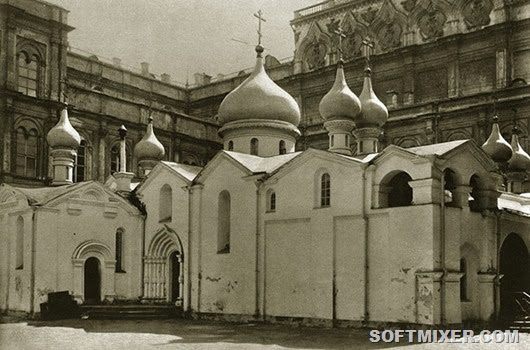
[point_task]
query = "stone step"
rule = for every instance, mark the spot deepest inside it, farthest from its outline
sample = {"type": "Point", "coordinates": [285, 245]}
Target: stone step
{"type": "Point", "coordinates": [130, 311]}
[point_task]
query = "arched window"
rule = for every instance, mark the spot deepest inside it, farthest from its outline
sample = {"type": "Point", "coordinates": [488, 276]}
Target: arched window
{"type": "Point", "coordinates": [463, 280]}
{"type": "Point", "coordinates": [115, 158]}
{"type": "Point", "coordinates": [27, 144]}
{"type": "Point", "coordinates": [165, 207]}
{"type": "Point", "coordinates": [27, 74]}
{"type": "Point", "coordinates": [325, 190]}
{"type": "Point", "coordinates": [254, 144]}
{"type": "Point", "coordinates": [223, 223]}
{"type": "Point", "coordinates": [332, 140]}
{"type": "Point", "coordinates": [282, 149]}
{"type": "Point", "coordinates": [271, 200]}
{"type": "Point", "coordinates": [449, 186]}
{"type": "Point", "coordinates": [473, 196]}
{"type": "Point", "coordinates": [19, 263]}
{"type": "Point", "coordinates": [80, 164]}
{"type": "Point", "coordinates": [119, 250]}
{"type": "Point", "coordinates": [230, 145]}
{"type": "Point", "coordinates": [399, 190]}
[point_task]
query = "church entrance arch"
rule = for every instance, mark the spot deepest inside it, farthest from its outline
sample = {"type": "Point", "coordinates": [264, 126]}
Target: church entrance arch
{"type": "Point", "coordinates": [92, 281]}
{"type": "Point", "coordinates": [515, 267]}
{"type": "Point", "coordinates": [164, 269]}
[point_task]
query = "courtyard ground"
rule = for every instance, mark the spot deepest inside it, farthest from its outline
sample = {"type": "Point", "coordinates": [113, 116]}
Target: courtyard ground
{"type": "Point", "coordinates": [16, 334]}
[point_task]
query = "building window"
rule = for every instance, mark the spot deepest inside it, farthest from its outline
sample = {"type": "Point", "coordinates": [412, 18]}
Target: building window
{"type": "Point", "coordinates": [399, 191]}
{"type": "Point", "coordinates": [271, 200]}
{"type": "Point", "coordinates": [115, 159]}
{"type": "Point", "coordinates": [165, 207]}
{"type": "Point", "coordinates": [254, 144]}
{"type": "Point", "coordinates": [463, 280]}
{"type": "Point", "coordinates": [282, 148]}
{"type": "Point", "coordinates": [119, 250]}
{"type": "Point", "coordinates": [26, 164]}
{"type": "Point", "coordinates": [473, 202]}
{"type": "Point", "coordinates": [230, 145]}
{"type": "Point", "coordinates": [223, 223]}
{"type": "Point", "coordinates": [449, 187]}
{"type": "Point", "coordinates": [332, 140]}
{"type": "Point", "coordinates": [80, 164]}
{"type": "Point", "coordinates": [28, 76]}
{"type": "Point", "coordinates": [19, 263]}
{"type": "Point", "coordinates": [325, 190]}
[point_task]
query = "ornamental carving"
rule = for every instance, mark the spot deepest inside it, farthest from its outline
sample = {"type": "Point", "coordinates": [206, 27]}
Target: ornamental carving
{"type": "Point", "coordinates": [390, 36]}
{"type": "Point", "coordinates": [408, 5]}
{"type": "Point", "coordinates": [316, 54]}
{"type": "Point", "coordinates": [352, 43]}
{"type": "Point", "coordinates": [369, 15]}
{"type": "Point", "coordinates": [431, 23]}
{"type": "Point", "coordinates": [477, 13]}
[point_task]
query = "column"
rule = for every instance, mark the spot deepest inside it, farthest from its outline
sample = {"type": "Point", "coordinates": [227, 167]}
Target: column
{"type": "Point", "coordinates": [425, 191]}
{"type": "Point", "coordinates": [451, 299]}
{"type": "Point", "coordinates": [428, 310]}
{"type": "Point", "coordinates": [487, 292]}
{"type": "Point", "coordinates": [501, 68]}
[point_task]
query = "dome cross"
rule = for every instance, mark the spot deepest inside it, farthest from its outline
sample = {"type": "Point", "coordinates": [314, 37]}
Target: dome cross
{"type": "Point", "coordinates": [341, 35]}
{"type": "Point", "coordinates": [259, 16]}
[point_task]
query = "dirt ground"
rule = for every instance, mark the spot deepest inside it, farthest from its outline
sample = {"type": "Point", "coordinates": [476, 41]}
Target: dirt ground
{"type": "Point", "coordinates": [185, 334]}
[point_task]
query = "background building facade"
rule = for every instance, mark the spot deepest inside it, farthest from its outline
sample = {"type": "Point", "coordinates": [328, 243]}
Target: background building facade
{"type": "Point", "coordinates": [443, 68]}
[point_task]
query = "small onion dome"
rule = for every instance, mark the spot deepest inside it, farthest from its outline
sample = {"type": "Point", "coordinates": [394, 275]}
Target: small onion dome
{"type": "Point", "coordinates": [520, 160]}
{"type": "Point", "coordinates": [340, 102]}
{"type": "Point", "coordinates": [373, 111]}
{"type": "Point", "coordinates": [496, 146]}
{"type": "Point", "coordinates": [63, 134]}
{"type": "Point", "coordinates": [258, 97]}
{"type": "Point", "coordinates": [149, 147]}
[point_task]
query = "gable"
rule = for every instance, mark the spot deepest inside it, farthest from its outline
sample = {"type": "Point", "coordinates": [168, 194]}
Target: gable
{"type": "Point", "coordinates": [163, 173]}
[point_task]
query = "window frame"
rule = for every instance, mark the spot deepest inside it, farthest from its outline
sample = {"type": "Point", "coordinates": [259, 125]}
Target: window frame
{"type": "Point", "coordinates": [325, 190]}
{"type": "Point", "coordinates": [23, 73]}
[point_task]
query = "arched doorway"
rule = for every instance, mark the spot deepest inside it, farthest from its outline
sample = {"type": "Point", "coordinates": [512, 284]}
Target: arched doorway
{"type": "Point", "coordinates": [515, 266]}
{"type": "Point", "coordinates": [92, 281]}
{"type": "Point", "coordinates": [174, 271]}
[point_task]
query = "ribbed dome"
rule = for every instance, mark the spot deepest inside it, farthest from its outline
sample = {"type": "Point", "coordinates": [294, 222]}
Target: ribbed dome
{"type": "Point", "coordinates": [340, 102]}
{"type": "Point", "coordinates": [496, 146]}
{"type": "Point", "coordinates": [520, 160]}
{"type": "Point", "coordinates": [258, 97]}
{"type": "Point", "coordinates": [63, 134]}
{"type": "Point", "coordinates": [149, 147]}
{"type": "Point", "coordinates": [373, 111]}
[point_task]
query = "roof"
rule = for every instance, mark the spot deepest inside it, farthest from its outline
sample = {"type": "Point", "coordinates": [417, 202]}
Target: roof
{"type": "Point", "coordinates": [187, 171]}
{"type": "Point", "coordinates": [256, 164]}
{"type": "Point", "coordinates": [43, 195]}
{"type": "Point", "coordinates": [438, 149]}
{"type": "Point", "coordinates": [515, 203]}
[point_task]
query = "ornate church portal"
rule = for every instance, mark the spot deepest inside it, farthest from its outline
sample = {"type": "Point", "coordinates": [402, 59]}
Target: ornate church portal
{"type": "Point", "coordinates": [164, 269]}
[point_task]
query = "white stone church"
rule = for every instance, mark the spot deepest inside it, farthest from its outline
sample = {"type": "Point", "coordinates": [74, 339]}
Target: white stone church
{"type": "Point", "coordinates": [430, 235]}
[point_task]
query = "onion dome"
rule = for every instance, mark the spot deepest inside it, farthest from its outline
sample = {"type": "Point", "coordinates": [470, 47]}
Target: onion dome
{"type": "Point", "coordinates": [373, 111]}
{"type": "Point", "coordinates": [149, 147]}
{"type": "Point", "coordinates": [340, 102]}
{"type": "Point", "coordinates": [63, 134]}
{"type": "Point", "coordinates": [520, 160]}
{"type": "Point", "coordinates": [496, 146]}
{"type": "Point", "coordinates": [258, 97]}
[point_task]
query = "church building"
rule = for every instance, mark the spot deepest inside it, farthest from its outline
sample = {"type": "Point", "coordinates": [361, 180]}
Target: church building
{"type": "Point", "coordinates": [427, 235]}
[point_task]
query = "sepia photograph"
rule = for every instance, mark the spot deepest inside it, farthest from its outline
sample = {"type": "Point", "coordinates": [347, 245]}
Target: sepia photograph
{"type": "Point", "coordinates": [264, 174]}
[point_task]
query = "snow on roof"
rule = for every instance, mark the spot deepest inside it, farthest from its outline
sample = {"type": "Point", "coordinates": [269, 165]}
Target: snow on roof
{"type": "Point", "coordinates": [438, 149]}
{"type": "Point", "coordinates": [518, 203]}
{"type": "Point", "coordinates": [258, 164]}
{"type": "Point", "coordinates": [188, 171]}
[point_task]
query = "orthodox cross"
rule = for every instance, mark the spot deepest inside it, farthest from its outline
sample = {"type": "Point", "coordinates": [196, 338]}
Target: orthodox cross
{"type": "Point", "coordinates": [341, 35]}
{"type": "Point", "coordinates": [259, 16]}
{"type": "Point", "coordinates": [368, 45]}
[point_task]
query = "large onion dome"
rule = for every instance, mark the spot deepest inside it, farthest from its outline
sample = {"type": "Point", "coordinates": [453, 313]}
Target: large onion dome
{"type": "Point", "coordinates": [373, 112]}
{"type": "Point", "coordinates": [63, 134]}
{"type": "Point", "coordinates": [496, 146]}
{"type": "Point", "coordinates": [520, 160]}
{"type": "Point", "coordinates": [149, 147]}
{"type": "Point", "coordinates": [340, 102]}
{"type": "Point", "coordinates": [258, 97]}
